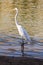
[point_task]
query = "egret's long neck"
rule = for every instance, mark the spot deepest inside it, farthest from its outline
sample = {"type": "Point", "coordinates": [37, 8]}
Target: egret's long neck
{"type": "Point", "coordinates": [16, 17]}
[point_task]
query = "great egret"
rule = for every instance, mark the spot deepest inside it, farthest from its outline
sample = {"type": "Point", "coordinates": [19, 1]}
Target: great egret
{"type": "Point", "coordinates": [22, 32]}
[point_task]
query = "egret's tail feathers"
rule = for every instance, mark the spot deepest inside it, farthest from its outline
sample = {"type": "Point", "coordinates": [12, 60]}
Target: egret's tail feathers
{"type": "Point", "coordinates": [29, 39]}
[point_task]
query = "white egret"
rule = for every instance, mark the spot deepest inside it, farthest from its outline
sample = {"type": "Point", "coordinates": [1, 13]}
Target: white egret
{"type": "Point", "coordinates": [22, 32]}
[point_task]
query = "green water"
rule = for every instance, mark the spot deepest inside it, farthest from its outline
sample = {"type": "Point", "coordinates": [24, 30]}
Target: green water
{"type": "Point", "coordinates": [27, 16]}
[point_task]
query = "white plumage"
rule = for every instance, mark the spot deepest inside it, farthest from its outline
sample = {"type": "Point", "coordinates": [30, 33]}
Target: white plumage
{"type": "Point", "coordinates": [22, 32]}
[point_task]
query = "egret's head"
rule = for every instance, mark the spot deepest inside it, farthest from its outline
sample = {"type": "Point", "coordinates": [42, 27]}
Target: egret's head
{"type": "Point", "coordinates": [15, 9]}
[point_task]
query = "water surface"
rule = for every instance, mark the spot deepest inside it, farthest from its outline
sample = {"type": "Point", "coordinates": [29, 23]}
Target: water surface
{"type": "Point", "coordinates": [10, 46]}
{"type": "Point", "coordinates": [28, 16]}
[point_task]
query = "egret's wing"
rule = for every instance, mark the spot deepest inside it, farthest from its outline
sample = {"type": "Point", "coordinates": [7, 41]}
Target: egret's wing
{"type": "Point", "coordinates": [25, 34]}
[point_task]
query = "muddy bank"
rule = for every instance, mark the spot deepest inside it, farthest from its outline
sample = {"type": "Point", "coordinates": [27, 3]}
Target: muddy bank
{"type": "Point", "coordinates": [7, 60]}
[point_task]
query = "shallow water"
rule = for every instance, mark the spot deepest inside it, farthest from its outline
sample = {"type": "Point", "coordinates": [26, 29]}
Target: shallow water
{"type": "Point", "coordinates": [10, 46]}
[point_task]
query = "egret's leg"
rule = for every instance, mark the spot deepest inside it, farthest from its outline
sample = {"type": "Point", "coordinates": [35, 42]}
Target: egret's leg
{"type": "Point", "coordinates": [22, 47]}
